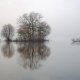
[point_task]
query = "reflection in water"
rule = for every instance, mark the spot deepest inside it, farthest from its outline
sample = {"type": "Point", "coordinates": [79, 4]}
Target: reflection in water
{"type": "Point", "coordinates": [8, 50]}
{"type": "Point", "coordinates": [76, 43]}
{"type": "Point", "coordinates": [31, 54]}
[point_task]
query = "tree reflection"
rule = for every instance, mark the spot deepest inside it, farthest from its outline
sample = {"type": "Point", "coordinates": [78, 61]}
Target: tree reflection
{"type": "Point", "coordinates": [31, 54]}
{"type": "Point", "coordinates": [8, 50]}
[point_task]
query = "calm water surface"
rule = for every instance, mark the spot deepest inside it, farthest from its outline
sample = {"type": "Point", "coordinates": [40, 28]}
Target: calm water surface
{"type": "Point", "coordinates": [53, 60]}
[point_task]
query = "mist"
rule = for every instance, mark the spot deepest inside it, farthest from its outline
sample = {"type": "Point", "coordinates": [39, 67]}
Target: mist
{"type": "Point", "coordinates": [63, 16]}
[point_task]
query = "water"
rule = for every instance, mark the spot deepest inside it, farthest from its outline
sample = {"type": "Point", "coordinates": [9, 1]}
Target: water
{"type": "Point", "coordinates": [54, 60]}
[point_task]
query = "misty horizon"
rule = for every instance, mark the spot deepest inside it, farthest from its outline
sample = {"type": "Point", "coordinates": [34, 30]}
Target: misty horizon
{"type": "Point", "coordinates": [62, 15]}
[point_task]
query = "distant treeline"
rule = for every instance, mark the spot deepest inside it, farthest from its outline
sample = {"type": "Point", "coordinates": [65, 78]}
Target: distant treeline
{"type": "Point", "coordinates": [31, 28]}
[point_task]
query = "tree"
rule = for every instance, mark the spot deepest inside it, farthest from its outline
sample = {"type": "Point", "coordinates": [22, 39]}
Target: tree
{"type": "Point", "coordinates": [34, 26]}
{"type": "Point", "coordinates": [22, 33]}
{"type": "Point", "coordinates": [43, 30]}
{"type": "Point", "coordinates": [7, 32]}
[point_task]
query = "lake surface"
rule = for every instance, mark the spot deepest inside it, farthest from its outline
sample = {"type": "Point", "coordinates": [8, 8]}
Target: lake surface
{"type": "Point", "coordinates": [54, 60]}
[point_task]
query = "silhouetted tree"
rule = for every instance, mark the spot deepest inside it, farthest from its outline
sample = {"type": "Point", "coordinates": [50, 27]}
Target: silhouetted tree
{"type": "Point", "coordinates": [23, 33]}
{"type": "Point", "coordinates": [43, 30]}
{"type": "Point", "coordinates": [31, 26]}
{"type": "Point", "coordinates": [7, 32]}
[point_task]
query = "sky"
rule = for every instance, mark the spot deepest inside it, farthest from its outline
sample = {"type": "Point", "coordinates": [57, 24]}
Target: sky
{"type": "Point", "coordinates": [63, 16]}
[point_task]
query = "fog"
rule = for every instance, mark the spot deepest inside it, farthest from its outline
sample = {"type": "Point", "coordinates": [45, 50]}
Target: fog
{"type": "Point", "coordinates": [63, 16]}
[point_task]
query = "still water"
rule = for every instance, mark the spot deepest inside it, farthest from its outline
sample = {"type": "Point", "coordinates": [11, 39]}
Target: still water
{"type": "Point", "coordinates": [54, 60]}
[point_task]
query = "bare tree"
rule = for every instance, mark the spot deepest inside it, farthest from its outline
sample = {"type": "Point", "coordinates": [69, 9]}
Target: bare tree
{"type": "Point", "coordinates": [22, 33]}
{"type": "Point", "coordinates": [31, 21]}
{"type": "Point", "coordinates": [7, 32]}
{"type": "Point", "coordinates": [43, 30]}
{"type": "Point", "coordinates": [35, 26]}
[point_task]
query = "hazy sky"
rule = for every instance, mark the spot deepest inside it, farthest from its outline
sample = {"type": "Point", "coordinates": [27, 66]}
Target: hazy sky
{"type": "Point", "coordinates": [62, 15]}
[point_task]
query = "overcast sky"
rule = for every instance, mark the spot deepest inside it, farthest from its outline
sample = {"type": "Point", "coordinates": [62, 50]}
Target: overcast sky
{"type": "Point", "coordinates": [63, 16]}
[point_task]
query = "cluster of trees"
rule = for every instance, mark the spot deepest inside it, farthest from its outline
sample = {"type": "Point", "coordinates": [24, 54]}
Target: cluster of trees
{"type": "Point", "coordinates": [31, 28]}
